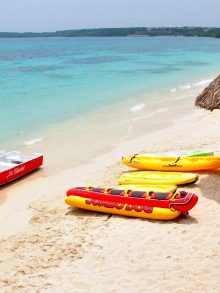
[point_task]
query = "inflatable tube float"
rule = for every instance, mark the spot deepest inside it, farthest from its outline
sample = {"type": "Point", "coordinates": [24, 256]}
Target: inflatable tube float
{"type": "Point", "coordinates": [157, 178]}
{"type": "Point", "coordinates": [172, 163]}
{"type": "Point", "coordinates": [181, 201]}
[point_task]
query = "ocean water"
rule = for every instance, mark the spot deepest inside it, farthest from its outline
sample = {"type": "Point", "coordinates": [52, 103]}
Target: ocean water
{"type": "Point", "coordinates": [45, 81]}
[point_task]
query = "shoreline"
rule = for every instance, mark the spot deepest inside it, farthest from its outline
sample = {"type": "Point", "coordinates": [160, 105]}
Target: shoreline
{"type": "Point", "coordinates": [65, 144]}
{"type": "Point", "coordinates": [179, 88]}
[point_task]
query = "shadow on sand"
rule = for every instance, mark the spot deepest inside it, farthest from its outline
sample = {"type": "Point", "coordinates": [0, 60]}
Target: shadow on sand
{"type": "Point", "coordinates": [210, 185]}
{"type": "Point", "coordinates": [19, 181]}
{"type": "Point", "coordinates": [182, 219]}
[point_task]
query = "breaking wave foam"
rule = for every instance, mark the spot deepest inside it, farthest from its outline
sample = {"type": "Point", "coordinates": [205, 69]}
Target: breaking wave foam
{"type": "Point", "coordinates": [32, 141]}
{"type": "Point", "coordinates": [203, 82]}
{"type": "Point", "coordinates": [186, 87]}
{"type": "Point", "coordinates": [137, 107]}
{"type": "Point", "coordinates": [161, 110]}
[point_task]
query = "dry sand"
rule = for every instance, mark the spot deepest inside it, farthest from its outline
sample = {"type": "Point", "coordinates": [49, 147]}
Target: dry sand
{"type": "Point", "coordinates": [46, 246]}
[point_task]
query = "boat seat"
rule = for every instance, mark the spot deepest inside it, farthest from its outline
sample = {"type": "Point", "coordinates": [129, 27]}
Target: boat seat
{"type": "Point", "coordinates": [15, 158]}
{"type": "Point", "coordinates": [16, 162]}
{"type": "Point", "coordinates": [138, 194]}
{"type": "Point", "coordinates": [181, 194]}
{"type": "Point", "coordinates": [160, 195]}
{"type": "Point", "coordinates": [98, 189]}
{"type": "Point", "coordinates": [116, 192]}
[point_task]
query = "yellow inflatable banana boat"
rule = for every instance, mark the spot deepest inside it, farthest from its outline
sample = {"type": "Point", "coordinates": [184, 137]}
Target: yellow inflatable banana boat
{"type": "Point", "coordinates": [122, 209]}
{"type": "Point", "coordinates": [157, 178]}
{"type": "Point", "coordinates": [172, 163]}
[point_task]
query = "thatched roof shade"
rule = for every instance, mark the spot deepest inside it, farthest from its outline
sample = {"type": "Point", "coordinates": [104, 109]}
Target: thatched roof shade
{"type": "Point", "coordinates": [210, 97]}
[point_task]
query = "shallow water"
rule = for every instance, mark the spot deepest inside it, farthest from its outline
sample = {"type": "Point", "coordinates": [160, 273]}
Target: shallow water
{"type": "Point", "coordinates": [46, 81]}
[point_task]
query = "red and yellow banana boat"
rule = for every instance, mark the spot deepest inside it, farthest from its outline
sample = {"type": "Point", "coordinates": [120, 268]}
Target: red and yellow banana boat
{"type": "Point", "coordinates": [153, 205]}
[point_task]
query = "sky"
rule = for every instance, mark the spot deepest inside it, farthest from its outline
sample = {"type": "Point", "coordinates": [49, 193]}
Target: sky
{"type": "Point", "coordinates": [52, 15]}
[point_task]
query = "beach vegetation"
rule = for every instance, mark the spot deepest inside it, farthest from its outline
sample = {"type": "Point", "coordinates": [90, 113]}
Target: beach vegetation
{"type": "Point", "coordinates": [122, 32]}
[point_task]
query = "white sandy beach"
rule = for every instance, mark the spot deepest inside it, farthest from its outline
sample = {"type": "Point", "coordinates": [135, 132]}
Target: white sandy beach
{"type": "Point", "coordinates": [46, 246]}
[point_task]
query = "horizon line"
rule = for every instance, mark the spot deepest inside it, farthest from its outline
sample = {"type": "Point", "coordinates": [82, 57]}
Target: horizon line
{"type": "Point", "coordinates": [99, 28]}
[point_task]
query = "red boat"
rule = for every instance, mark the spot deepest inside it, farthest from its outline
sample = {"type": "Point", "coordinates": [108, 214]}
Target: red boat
{"type": "Point", "coordinates": [181, 201]}
{"type": "Point", "coordinates": [14, 165]}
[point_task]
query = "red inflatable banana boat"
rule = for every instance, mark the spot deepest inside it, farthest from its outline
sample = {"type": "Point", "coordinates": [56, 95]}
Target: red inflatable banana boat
{"type": "Point", "coordinates": [181, 201]}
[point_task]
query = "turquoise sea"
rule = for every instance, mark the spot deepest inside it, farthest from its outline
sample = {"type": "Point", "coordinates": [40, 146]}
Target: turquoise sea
{"type": "Point", "coordinates": [44, 81]}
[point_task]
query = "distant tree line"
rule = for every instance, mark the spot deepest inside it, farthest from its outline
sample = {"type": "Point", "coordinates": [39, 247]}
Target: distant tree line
{"type": "Point", "coordinates": [123, 32]}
